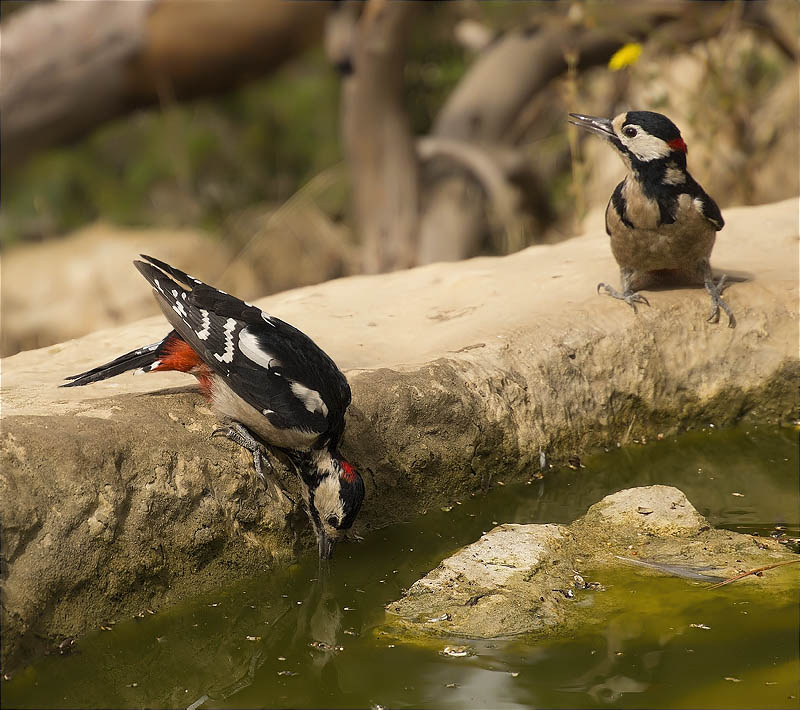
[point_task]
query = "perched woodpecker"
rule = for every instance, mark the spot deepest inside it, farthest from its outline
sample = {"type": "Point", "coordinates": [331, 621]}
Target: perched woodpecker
{"type": "Point", "coordinates": [659, 218]}
{"type": "Point", "coordinates": [273, 383]}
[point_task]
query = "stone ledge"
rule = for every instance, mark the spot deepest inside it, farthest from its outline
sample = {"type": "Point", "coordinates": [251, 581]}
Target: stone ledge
{"type": "Point", "coordinates": [114, 495]}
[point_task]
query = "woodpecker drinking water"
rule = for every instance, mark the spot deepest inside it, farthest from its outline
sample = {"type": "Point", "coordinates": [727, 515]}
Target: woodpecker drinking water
{"type": "Point", "coordinates": [271, 381]}
{"type": "Point", "coordinates": [659, 218]}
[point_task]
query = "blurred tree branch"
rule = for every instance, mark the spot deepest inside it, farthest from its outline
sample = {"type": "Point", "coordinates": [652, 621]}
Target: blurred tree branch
{"type": "Point", "coordinates": [70, 66]}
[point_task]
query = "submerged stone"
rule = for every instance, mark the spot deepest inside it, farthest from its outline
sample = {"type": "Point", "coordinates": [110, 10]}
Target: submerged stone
{"type": "Point", "coordinates": [551, 579]}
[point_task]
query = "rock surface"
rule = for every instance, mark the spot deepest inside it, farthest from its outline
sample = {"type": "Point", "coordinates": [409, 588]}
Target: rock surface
{"type": "Point", "coordinates": [533, 578]}
{"type": "Point", "coordinates": [113, 496]}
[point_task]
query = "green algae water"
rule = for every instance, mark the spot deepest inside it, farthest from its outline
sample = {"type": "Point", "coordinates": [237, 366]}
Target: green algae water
{"type": "Point", "coordinates": [310, 637]}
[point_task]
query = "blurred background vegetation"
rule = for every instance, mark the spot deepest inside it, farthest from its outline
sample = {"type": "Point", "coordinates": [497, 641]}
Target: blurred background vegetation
{"type": "Point", "coordinates": [185, 164]}
{"type": "Point", "coordinates": [260, 166]}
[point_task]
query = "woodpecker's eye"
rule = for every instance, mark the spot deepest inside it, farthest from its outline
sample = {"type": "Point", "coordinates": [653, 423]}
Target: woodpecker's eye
{"type": "Point", "coordinates": [629, 131]}
{"type": "Point", "coordinates": [333, 521]}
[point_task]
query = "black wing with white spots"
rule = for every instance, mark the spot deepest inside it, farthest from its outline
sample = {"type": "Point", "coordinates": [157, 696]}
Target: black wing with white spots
{"type": "Point", "coordinates": [271, 365]}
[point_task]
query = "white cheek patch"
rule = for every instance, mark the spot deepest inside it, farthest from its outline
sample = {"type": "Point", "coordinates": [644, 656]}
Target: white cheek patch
{"type": "Point", "coordinates": [327, 500]}
{"type": "Point", "coordinates": [251, 349]}
{"type": "Point", "coordinates": [310, 398]}
{"type": "Point", "coordinates": [644, 146]}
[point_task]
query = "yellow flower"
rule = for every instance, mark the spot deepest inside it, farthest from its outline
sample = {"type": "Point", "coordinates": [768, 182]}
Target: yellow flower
{"type": "Point", "coordinates": [625, 55]}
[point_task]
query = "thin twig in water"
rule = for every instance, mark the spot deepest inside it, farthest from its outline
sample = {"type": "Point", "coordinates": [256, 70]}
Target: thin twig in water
{"type": "Point", "coordinates": [753, 571]}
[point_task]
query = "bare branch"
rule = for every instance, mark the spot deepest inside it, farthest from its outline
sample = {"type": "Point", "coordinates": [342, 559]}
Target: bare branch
{"type": "Point", "coordinates": [69, 66]}
{"type": "Point", "coordinates": [491, 169]}
{"type": "Point", "coordinates": [521, 63]}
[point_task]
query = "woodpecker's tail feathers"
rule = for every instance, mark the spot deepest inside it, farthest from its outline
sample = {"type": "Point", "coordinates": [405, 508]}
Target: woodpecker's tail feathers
{"type": "Point", "coordinates": [142, 360]}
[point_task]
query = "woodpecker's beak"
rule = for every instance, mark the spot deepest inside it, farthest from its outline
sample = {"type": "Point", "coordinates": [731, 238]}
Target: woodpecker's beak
{"type": "Point", "coordinates": [326, 545]}
{"type": "Point", "coordinates": [595, 124]}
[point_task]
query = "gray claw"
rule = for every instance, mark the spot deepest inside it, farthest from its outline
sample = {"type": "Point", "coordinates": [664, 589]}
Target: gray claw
{"type": "Point", "coordinates": [240, 435]}
{"type": "Point", "coordinates": [715, 290]}
{"type": "Point", "coordinates": [630, 297]}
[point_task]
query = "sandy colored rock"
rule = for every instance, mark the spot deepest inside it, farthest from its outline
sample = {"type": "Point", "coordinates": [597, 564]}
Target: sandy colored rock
{"type": "Point", "coordinates": [80, 283]}
{"type": "Point", "coordinates": [475, 591]}
{"type": "Point", "coordinates": [648, 510]}
{"type": "Point", "coordinates": [534, 579]}
{"type": "Point", "coordinates": [114, 495]}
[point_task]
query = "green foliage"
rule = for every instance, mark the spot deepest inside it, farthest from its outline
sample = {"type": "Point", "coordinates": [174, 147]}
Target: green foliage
{"type": "Point", "coordinates": [184, 164]}
{"type": "Point", "coordinates": [434, 65]}
{"type": "Point", "coordinates": [197, 163]}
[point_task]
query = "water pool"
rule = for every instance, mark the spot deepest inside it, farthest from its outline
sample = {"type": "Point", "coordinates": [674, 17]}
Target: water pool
{"type": "Point", "coordinates": [310, 637]}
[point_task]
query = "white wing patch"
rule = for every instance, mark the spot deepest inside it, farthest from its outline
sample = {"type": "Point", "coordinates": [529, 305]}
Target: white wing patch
{"type": "Point", "coordinates": [206, 329]}
{"type": "Point", "coordinates": [310, 398]}
{"type": "Point", "coordinates": [251, 349]}
{"type": "Point", "coordinates": [180, 309]}
{"type": "Point", "coordinates": [227, 356]}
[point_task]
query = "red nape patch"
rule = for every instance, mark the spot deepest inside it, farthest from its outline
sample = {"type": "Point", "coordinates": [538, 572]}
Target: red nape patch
{"type": "Point", "coordinates": [348, 472]}
{"type": "Point", "coordinates": [678, 144]}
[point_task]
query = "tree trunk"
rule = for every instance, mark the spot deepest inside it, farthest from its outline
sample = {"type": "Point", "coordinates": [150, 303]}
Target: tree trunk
{"type": "Point", "coordinates": [377, 138]}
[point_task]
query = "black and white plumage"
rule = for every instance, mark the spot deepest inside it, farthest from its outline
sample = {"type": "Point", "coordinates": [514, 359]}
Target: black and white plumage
{"type": "Point", "coordinates": [659, 218]}
{"type": "Point", "coordinates": [270, 379]}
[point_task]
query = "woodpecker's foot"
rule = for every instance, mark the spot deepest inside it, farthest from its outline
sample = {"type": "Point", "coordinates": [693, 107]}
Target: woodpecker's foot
{"type": "Point", "coordinates": [630, 297]}
{"type": "Point", "coordinates": [241, 435]}
{"type": "Point", "coordinates": [717, 303]}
